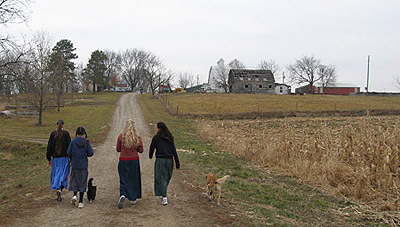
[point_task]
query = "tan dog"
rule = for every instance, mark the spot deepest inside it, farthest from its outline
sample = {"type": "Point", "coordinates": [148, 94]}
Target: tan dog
{"type": "Point", "coordinates": [213, 185]}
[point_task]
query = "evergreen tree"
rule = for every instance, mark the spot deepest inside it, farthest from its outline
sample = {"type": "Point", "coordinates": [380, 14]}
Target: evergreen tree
{"type": "Point", "coordinates": [96, 68]}
{"type": "Point", "coordinates": [62, 68]}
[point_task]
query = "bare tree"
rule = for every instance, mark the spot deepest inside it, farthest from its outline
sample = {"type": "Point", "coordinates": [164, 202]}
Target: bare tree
{"type": "Point", "coordinates": [305, 70]}
{"type": "Point", "coordinates": [270, 65]}
{"type": "Point", "coordinates": [186, 80]}
{"type": "Point", "coordinates": [236, 64]}
{"type": "Point", "coordinates": [133, 66]}
{"type": "Point", "coordinates": [80, 75]}
{"type": "Point", "coordinates": [113, 66]}
{"type": "Point", "coordinates": [396, 79]}
{"type": "Point", "coordinates": [40, 81]}
{"type": "Point", "coordinates": [155, 73]}
{"type": "Point", "coordinates": [221, 77]}
{"type": "Point", "coordinates": [327, 75]}
{"type": "Point", "coordinates": [11, 11]}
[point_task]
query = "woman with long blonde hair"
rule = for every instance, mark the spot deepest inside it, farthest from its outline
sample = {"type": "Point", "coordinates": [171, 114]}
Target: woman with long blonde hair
{"type": "Point", "coordinates": [129, 144]}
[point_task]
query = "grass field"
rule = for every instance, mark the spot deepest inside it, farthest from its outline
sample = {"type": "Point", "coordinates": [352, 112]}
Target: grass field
{"type": "Point", "coordinates": [90, 111]}
{"type": "Point", "coordinates": [23, 166]}
{"type": "Point", "coordinates": [24, 171]}
{"type": "Point", "coordinates": [220, 104]}
{"type": "Point", "coordinates": [258, 195]}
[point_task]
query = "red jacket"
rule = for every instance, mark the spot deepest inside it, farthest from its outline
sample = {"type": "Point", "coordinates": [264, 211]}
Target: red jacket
{"type": "Point", "coordinates": [129, 153]}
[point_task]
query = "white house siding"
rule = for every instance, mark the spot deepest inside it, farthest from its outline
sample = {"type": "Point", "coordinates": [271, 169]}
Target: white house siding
{"type": "Point", "coordinates": [281, 89]}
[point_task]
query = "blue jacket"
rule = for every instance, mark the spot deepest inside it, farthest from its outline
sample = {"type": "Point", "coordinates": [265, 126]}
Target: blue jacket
{"type": "Point", "coordinates": [78, 153]}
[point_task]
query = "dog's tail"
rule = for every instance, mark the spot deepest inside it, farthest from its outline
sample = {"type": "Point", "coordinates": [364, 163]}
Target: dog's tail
{"type": "Point", "coordinates": [90, 181]}
{"type": "Point", "coordinates": [223, 179]}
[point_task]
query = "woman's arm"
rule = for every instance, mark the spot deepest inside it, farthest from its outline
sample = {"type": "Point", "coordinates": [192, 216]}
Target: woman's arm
{"type": "Point", "coordinates": [119, 143]}
{"type": "Point", "coordinates": [140, 147]}
{"type": "Point", "coordinates": [89, 149]}
{"type": "Point", "coordinates": [177, 163]}
{"type": "Point", "coordinates": [152, 147]}
{"type": "Point", "coordinates": [49, 147]}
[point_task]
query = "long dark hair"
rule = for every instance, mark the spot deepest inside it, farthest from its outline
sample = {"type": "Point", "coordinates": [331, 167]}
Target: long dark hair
{"type": "Point", "coordinates": [164, 132]}
{"type": "Point", "coordinates": [59, 135]}
{"type": "Point", "coordinates": [80, 131]}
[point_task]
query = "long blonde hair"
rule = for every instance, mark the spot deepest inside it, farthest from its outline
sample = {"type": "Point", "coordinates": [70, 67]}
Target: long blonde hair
{"type": "Point", "coordinates": [130, 136]}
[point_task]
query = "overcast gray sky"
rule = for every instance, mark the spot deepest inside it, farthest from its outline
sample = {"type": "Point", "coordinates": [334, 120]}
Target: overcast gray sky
{"type": "Point", "coordinates": [192, 35]}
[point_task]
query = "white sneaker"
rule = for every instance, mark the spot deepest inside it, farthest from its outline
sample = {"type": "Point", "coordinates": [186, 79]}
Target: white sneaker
{"type": "Point", "coordinates": [134, 202]}
{"type": "Point", "coordinates": [73, 200]}
{"type": "Point", "coordinates": [164, 201]}
{"type": "Point", "coordinates": [81, 205]}
{"type": "Point", "coordinates": [121, 202]}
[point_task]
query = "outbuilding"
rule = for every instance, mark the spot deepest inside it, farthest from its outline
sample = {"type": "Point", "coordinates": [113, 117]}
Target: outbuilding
{"type": "Point", "coordinates": [251, 81]}
{"type": "Point", "coordinates": [337, 89]}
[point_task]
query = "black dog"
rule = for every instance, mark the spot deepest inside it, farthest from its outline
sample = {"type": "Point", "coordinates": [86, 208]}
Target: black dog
{"type": "Point", "coordinates": [91, 193]}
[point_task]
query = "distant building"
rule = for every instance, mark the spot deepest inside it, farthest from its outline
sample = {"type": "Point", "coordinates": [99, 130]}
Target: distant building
{"type": "Point", "coordinates": [164, 89]}
{"type": "Point", "coordinates": [337, 89]}
{"type": "Point", "coordinates": [215, 74]}
{"type": "Point", "coordinates": [251, 81]}
{"type": "Point", "coordinates": [282, 89]}
{"type": "Point", "coordinates": [88, 87]}
{"type": "Point", "coordinates": [203, 88]}
{"type": "Point", "coordinates": [122, 87]}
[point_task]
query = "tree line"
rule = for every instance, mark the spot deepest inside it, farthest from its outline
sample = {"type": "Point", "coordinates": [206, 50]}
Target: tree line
{"type": "Point", "coordinates": [44, 73]}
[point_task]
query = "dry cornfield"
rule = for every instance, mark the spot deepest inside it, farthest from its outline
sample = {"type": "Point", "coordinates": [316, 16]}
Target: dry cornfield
{"type": "Point", "coordinates": [357, 157]}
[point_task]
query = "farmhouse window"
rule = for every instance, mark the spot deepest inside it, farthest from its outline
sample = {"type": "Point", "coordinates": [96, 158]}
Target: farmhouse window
{"type": "Point", "coordinates": [269, 86]}
{"type": "Point", "coordinates": [260, 86]}
{"type": "Point", "coordinates": [246, 86]}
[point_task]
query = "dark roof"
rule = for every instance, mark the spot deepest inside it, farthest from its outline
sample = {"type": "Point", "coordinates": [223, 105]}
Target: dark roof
{"type": "Point", "coordinates": [252, 72]}
{"type": "Point", "coordinates": [282, 84]}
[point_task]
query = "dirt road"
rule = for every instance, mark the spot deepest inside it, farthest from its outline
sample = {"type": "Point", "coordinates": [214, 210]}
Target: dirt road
{"type": "Point", "coordinates": [187, 205]}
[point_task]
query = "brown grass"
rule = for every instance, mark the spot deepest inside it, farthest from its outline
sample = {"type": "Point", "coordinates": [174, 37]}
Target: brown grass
{"type": "Point", "coordinates": [354, 157]}
{"type": "Point", "coordinates": [222, 104]}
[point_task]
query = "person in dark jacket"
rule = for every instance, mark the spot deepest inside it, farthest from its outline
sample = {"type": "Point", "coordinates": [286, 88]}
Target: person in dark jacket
{"type": "Point", "coordinates": [163, 143]}
{"type": "Point", "coordinates": [78, 151]}
{"type": "Point", "coordinates": [58, 158]}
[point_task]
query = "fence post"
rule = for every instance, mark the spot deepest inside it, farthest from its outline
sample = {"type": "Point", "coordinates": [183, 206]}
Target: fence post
{"type": "Point", "coordinates": [177, 110]}
{"type": "Point", "coordinates": [16, 106]}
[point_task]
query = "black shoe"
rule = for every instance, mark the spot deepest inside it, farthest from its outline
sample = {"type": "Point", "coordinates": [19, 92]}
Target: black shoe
{"type": "Point", "coordinates": [121, 202]}
{"type": "Point", "coordinates": [59, 196]}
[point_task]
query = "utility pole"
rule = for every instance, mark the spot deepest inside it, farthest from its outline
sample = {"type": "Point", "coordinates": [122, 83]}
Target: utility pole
{"type": "Point", "coordinates": [367, 75]}
{"type": "Point", "coordinates": [283, 77]}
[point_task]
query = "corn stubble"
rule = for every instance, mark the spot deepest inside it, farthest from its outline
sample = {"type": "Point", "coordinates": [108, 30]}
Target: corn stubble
{"type": "Point", "coordinates": [354, 157]}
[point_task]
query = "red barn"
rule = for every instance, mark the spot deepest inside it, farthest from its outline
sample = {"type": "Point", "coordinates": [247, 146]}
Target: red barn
{"type": "Point", "coordinates": [337, 89]}
{"type": "Point", "coordinates": [164, 89]}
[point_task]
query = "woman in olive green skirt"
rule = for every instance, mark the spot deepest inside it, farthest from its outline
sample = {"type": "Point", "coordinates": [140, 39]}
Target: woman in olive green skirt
{"type": "Point", "coordinates": [163, 143]}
